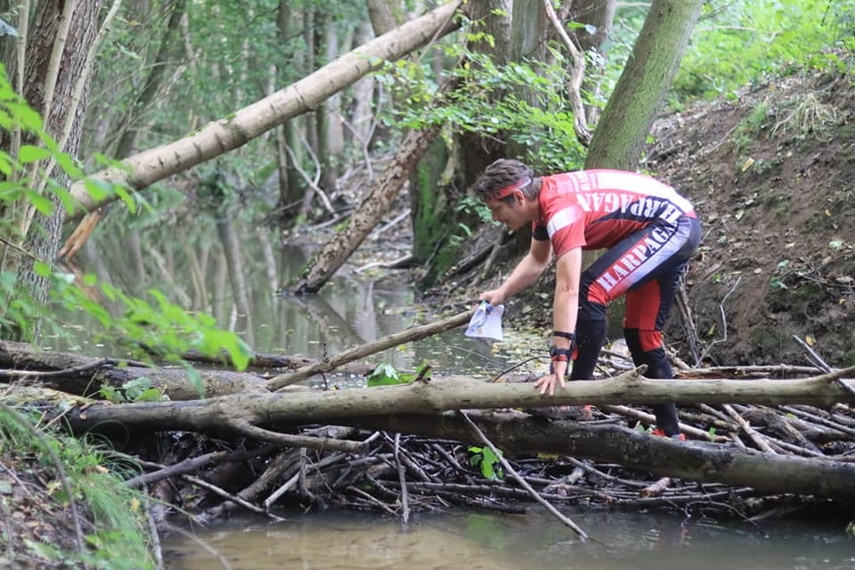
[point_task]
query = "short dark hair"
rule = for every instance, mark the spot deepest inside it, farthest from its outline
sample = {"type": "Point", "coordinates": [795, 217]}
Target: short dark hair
{"type": "Point", "coordinates": [498, 175]}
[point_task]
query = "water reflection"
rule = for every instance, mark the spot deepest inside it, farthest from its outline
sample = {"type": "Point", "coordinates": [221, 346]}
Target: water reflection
{"type": "Point", "coordinates": [621, 541]}
{"type": "Point", "coordinates": [351, 310]}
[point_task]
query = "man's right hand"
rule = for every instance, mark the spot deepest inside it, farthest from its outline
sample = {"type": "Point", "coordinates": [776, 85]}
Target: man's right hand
{"type": "Point", "coordinates": [494, 297]}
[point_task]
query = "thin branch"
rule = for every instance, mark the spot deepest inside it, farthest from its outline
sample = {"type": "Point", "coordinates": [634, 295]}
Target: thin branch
{"type": "Point", "coordinates": [50, 373]}
{"type": "Point", "coordinates": [298, 440]}
{"type": "Point", "coordinates": [578, 73]}
{"type": "Point", "coordinates": [23, 36]}
{"type": "Point", "coordinates": [409, 335]}
{"type": "Point", "coordinates": [723, 321]}
{"type": "Point", "coordinates": [402, 478]}
{"type": "Point", "coordinates": [521, 480]}
{"type": "Point", "coordinates": [313, 183]}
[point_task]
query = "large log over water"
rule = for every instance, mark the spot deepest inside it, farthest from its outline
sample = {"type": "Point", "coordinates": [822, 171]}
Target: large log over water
{"type": "Point", "coordinates": [451, 393]}
{"type": "Point", "coordinates": [427, 408]}
{"type": "Point", "coordinates": [694, 461]}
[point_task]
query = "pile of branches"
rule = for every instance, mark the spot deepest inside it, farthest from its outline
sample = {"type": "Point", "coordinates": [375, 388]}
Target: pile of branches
{"type": "Point", "coordinates": [397, 474]}
{"type": "Point", "coordinates": [364, 462]}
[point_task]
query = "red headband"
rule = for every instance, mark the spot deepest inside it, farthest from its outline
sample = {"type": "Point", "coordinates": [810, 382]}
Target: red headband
{"type": "Point", "coordinates": [510, 189]}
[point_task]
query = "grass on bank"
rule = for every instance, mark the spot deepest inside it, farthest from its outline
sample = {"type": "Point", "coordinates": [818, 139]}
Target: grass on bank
{"type": "Point", "coordinates": [63, 503]}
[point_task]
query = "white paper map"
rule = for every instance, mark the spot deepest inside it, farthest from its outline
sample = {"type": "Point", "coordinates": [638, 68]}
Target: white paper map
{"type": "Point", "coordinates": [486, 322]}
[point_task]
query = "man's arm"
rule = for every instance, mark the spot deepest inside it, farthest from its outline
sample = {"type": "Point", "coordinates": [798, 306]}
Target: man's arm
{"type": "Point", "coordinates": [524, 274]}
{"type": "Point", "coordinates": [565, 310]}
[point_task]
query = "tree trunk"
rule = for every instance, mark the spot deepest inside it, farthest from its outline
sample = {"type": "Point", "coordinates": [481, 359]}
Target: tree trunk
{"type": "Point", "coordinates": [42, 70]}
{"type": "Point", "coordinates": [440, 183]}
{"type": "Point", "coordinates": [252, 121]}
{"type": "Point", "coordinates": [376, 203]}
{"type": "Point", "coordinates": [361, 115]}
{"type": "Point", "coordinates": [631, 110]}
{"type": "Point", "coordinates": [385, 15]}
{"type": "Point", "coordinates": [152, 83]}
{"type": "Point", "coordinates": [456, 393]}
{"type": "Point", "coordinates": [330, 135]}
{"type": "Point", "coordinates": [528, 33]}
{"type": "Point", "coordinates": [85, 375]}
{"type": "Point", "coordinates": [419, 409]}
{"type": "Point", "coordinates": [693, 461]}
{"type": "Point", "coordinates": [597, 16]}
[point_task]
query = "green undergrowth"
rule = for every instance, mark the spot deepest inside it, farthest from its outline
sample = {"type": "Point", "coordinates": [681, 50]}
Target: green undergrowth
{"type": "Point", "coordinates": [64, 504]}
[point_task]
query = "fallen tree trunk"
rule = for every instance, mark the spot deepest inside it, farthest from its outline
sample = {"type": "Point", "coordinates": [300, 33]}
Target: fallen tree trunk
{"type": "Point", "coordinates": [145, 168]}
{"type": "Point", "coordinates": [452, 393]}
{"type": "Point", "coordinates": [374, 205]}
{"type": "Point", "coordinates": [85, 376]}
{"type": "Point", "coordinates": [407, 409]}
{"type": "Point", "coordinates": [693, 461]}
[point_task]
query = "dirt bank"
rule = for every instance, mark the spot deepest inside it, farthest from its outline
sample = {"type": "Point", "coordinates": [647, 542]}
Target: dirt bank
{"type": "Point", "coordinates": [771, 175]}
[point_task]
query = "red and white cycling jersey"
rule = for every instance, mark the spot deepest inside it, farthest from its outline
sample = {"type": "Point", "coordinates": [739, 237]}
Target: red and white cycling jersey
{"type": "Point", "coordinates": [595, 209]}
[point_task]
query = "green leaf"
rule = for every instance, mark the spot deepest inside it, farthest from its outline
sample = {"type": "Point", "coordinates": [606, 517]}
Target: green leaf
{"type": "Point", "coordinates": [150, 395]}
{"type": "Point", "coordinates": [9, 191]}
{"type": "Point", "coordinates": [111, 394]}
{"type": "Point", "coordinates": [41, 268]}
{"type": "Point", "coordinates": [98, 189]}
{"type": "Point", "coordinates": [30, 153]}
{"type": "Point", "coordinates": [385, 375]}
{"type": "Point", "coordinates": [134, 388]}
{"type": "Point", "coordinates": [42, 204]}
{"type": "Point", "coordinates": [66, 162]}
{"type": "Point", "coordinates": [126, 197]}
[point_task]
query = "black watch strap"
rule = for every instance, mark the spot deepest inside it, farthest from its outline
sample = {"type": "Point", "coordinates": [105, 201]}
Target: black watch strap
{"type": "Point", "coordinates": [560, 354]}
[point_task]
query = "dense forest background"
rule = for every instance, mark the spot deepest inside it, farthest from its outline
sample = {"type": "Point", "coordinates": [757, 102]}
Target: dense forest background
{"type": "Point", "coordinates": [126, 123]}
{"type": "Point", "coordinates": [127, 80]}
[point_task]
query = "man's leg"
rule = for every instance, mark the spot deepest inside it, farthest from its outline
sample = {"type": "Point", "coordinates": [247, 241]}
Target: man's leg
{"type": "Point", "coordinates": [657, 367]}
{"type": "Point", "coordinates": [591, 320]}
{"type": "Point", "coordinates": [648, 304]}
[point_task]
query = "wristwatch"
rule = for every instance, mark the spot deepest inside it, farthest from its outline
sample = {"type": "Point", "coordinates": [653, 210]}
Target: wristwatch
{"type": "Point", "coordinates": [560, 354]}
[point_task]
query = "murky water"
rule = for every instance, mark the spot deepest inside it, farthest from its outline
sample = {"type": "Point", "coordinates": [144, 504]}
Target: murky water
{"type": "Point", "coordinates": [619, 541]}
{"type": "Point", "coordinates": [353, 310]}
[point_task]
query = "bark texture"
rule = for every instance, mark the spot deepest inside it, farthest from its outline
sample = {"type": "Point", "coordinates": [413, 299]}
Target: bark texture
{"type": "Point", "coordinates": [375, 204]}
